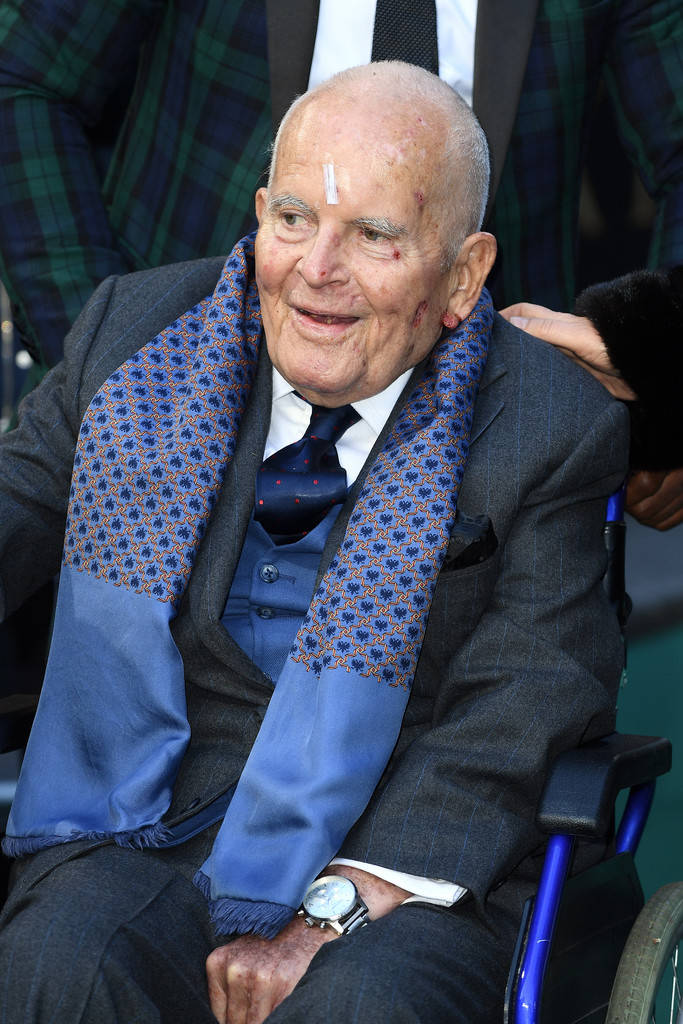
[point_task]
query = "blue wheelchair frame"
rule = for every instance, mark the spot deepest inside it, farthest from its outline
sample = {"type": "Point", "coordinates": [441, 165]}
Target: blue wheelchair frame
{"type": "Point", "coordinates": [607, 766]}
{"type": "Point", "coordinates": [578, 801]}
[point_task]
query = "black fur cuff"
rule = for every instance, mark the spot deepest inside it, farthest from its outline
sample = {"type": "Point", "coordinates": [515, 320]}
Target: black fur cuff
{"type": "Point", "coordinates": [640, 319]}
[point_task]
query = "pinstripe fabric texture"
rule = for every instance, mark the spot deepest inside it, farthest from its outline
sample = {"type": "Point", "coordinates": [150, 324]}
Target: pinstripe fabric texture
{"type": "Point", "coordinates": [134, 952]}
{"type": "Point", "coordinates": [180, 183]}
{"type": "Point", "coordinates": [528, 659]}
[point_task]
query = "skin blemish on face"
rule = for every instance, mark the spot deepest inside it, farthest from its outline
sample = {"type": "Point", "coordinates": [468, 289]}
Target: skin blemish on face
{"type": "Point", "coordinates": [330, 184]}
{"type": "Point", "coordinates": [420, 197]}
{"type": "Point", "coordinates": [419, 313]}
{"type": "Point", "coordinates": [396, 254]}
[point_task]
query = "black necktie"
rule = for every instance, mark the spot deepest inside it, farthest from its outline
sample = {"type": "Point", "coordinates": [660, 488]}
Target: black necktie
{"type": "Point", "coordinates": [297, 485]}
{"type": "Point", "coordinates": [406, 30]}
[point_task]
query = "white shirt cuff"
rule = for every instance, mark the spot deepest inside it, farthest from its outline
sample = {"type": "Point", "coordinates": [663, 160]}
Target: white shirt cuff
{"type": "Point", "coordinates": [425, 890]}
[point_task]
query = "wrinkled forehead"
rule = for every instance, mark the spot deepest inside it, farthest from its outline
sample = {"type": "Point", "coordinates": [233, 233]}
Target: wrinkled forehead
{"type": "Point", "coordinates": [367, 142]}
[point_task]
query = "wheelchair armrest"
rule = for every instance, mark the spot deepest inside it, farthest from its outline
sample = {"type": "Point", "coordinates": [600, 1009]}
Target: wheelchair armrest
{"type": "Point", "coordinates": [16, 718]}
{"type": "Point", "coordinates": [582, 786]}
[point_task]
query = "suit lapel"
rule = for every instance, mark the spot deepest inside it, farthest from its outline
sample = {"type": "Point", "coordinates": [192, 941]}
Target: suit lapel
{"type": "Point", "coordinates": [501, 48]}
{"type": "Point", "coordinates": [489, 399]}
{"type": "Point", "coordinates": [291, 38]}
{"type": "Point", "coordinates": [488, 405]}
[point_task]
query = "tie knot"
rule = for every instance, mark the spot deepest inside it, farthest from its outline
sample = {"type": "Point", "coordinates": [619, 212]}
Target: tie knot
{"type": "Point", "coordinates": [298, 484]}
{"type": "Point", "coordinates": [330, 424]}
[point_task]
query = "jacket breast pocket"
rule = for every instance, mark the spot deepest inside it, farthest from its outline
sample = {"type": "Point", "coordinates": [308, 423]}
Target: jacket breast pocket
{"type": "Point", "coordinates": [463, 590]}
{"type": "Point", "coordinates": [473, 541]}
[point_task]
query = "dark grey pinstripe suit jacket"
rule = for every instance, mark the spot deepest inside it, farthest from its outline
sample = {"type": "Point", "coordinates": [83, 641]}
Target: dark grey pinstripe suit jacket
{"type": "Point", "coordinates": [521, 656]}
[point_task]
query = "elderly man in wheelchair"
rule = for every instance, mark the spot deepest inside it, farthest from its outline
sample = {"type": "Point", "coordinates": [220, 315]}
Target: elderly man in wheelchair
{"type": "Point", "coordinates": [330, 605]}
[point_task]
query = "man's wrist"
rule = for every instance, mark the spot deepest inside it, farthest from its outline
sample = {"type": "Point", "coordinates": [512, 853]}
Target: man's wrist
{"type": "Point", "coordinates": [425, 889]}
{"type": "Point", "coordinates": [380, 896]}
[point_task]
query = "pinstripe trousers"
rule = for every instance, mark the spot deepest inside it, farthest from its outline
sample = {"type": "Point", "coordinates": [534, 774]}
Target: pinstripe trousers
{"type": "Point", "coordinates": [113, 935]}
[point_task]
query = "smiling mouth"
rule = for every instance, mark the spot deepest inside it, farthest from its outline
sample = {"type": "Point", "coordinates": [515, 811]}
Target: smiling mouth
{"type": "Point", "coordinates": [326, 318]}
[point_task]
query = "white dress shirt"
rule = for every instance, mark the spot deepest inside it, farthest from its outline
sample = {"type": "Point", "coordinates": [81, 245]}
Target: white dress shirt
{"type": "Point", "coordinates": [344, 39]}
{"type": "Point", "coordinates": [290, 417]}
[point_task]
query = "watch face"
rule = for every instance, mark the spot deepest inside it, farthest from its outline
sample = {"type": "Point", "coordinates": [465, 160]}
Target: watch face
{"type": "Point", "coordinates": [330, 897]}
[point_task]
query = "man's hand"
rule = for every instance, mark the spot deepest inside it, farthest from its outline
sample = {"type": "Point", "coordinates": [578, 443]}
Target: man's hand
{"type": "Point", "coordinates": [250, 976]}
{"type": "Point", "coordinates": [575, 336]}
{"type": "Point", "coordinates": [656, 498]}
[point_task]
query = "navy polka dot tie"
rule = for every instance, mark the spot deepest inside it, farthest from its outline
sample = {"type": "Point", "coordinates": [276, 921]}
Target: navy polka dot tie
{"type": "Point", "coordinates": [297, 485]}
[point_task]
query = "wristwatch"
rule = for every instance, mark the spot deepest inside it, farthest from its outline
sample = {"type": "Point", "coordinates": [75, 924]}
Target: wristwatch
{"type": "Point", "coordinates": [333, 902]}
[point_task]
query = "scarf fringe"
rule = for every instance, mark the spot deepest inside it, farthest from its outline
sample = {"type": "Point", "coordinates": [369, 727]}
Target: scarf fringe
{"type": "Point", "coordinates": [239, 917]}
{"type": "Point", "coordinates": [22, 846]}
{"type": "Point", "coordinates": [144, 838]}
{"type": "Point", "coordinates": [140, 839]}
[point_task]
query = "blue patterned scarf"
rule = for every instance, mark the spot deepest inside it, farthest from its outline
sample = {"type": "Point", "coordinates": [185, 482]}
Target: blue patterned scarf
{"type": "Point", "coordinates": [112, 726]}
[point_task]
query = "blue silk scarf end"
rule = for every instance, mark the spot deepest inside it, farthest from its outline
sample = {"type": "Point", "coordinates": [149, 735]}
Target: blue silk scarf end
{"type": "Point", "coordinates": [134, 839]}
{"type": "Point", "coordinates": [240, 917]}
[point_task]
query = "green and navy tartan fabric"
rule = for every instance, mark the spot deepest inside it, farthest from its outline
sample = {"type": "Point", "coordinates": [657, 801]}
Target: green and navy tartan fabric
{"type": "Point", "coordinates": [636, 46]}
{"type": "Point", "coordinates": [188, 158]}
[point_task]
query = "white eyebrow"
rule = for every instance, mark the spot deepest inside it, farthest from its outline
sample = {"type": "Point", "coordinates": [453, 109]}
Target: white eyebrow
{"type": "Point", "coordinates": [276, 203]}
{"type": "Point", "coordinates": [382, 225]}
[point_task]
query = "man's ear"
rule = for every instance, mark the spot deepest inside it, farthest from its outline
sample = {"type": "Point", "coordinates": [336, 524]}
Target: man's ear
{"type": "Point", "coordinates": [469, 272]}
{"type": "Point", "coordinates": [260, 200]}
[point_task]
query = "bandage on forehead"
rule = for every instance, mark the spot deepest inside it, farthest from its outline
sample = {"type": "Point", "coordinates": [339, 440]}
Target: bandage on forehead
{"type": "Point", "coordinates": [330, 185]}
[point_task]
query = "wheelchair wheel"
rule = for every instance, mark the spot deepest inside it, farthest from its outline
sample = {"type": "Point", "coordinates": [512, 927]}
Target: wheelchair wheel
{"type": "Point", "coordinates": [647, 987]}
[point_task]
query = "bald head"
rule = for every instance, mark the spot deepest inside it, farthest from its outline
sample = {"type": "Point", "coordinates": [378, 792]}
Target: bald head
{"type": "Point", "coordinates": [367, 244]}
{"type": "Point", "coordinates": [457, 150]}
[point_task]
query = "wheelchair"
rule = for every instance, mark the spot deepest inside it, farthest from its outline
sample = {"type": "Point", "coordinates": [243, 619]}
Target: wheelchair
{"type": "Point", "coordinates": [589, 950]}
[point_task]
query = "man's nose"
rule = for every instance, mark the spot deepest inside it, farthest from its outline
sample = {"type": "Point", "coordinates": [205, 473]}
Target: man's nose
{"type": "Point", "coordinates": [324, 260]}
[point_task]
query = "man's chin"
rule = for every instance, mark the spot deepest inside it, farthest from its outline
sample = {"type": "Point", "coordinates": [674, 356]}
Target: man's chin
{"type": "Point", "coordinates": [328, 370]}
{"type": "Point", "coordinates": [318, 393]}
{"type": "Point", "coordinates": [323, 387]}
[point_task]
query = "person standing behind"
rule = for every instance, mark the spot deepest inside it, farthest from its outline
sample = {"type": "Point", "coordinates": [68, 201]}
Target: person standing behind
{"type": "Point", "coordinates": [193, 141]}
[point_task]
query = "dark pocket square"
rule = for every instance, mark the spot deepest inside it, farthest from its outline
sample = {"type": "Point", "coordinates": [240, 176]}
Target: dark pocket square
{"type": "Point", "coordinates": [472, 541]}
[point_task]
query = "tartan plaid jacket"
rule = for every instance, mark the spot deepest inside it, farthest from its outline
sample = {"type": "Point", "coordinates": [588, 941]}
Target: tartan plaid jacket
{"type": "Point", "coordinates": [193, 143]}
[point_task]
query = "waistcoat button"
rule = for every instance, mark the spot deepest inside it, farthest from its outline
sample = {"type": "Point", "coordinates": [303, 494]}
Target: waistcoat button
{"type": "Point", "coordinates": [265, 613]}
{"type": "Point", "coordinates": [269, 573]}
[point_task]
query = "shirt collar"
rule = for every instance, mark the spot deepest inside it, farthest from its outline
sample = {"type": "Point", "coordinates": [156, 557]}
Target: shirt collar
{"type": "Point", "coordinates": [374, 410]}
